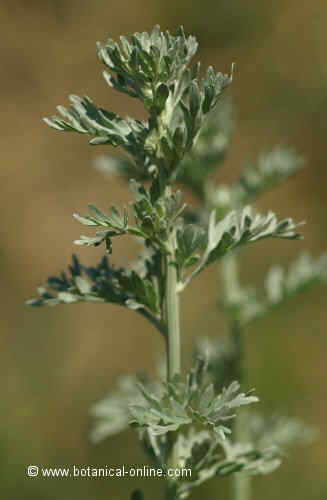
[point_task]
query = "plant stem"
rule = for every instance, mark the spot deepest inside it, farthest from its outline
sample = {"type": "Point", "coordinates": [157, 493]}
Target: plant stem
{"type": "Point", "coordinates": [241, 481]}
{"type": "Point", "coordinates": [173, 350]}
{"type": "Point", "coordinates": [172, 313]}
{"type": "Point", "coordinates": [232, 292]}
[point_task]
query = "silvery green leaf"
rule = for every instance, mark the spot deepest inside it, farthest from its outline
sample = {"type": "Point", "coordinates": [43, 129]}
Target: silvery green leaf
{"type": "Point", "coordinates": [201, 452]}
{"type": "Point", "coordinates": [132, 304]}
{"type": "Point", "coordinates": [115, 221]}
{"type": "Point", "coordinates": [104, 127]}
{"type": "Point", "coordinates": [83, 285]}
{"type": "Point", "coordinates": [238, 228]}
{"type": "Point", "coordinates": [245, 226]}
{"type": "Point", "coordinates": [86, 241]}
{"type": "Point", "coordinates": [190, 241]}
{"type": "Point", "coordinates": [190, 402]}
{"type": "Point", "coordinates": [243, 458]}
{"type": "Point", "coordinates": [139, 62]}
{"type": "Point", "coordinates": [67, 298]}
{"type": "Point", "coordinates": [105, 283]}
{"type": "Point", "coordinates": [208, 151]}
{"type": "Point", "coordinates": [87, 221]}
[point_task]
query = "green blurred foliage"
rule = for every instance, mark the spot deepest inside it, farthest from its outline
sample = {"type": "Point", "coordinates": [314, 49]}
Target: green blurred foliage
{"type": "Point", "coordinates": [55, 363]}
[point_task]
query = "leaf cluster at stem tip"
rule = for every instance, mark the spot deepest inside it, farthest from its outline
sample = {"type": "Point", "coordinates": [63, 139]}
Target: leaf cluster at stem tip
{"type": "Point", "coordinates": [154, 68]}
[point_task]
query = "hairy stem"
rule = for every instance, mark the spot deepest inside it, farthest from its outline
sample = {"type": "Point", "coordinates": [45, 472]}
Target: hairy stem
{"type": "Point", "coordinates": [232, 291]}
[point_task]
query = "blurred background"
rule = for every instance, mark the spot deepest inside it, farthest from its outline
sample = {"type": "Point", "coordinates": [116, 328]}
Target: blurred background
{"type": "Point", "coordinates": [56, 362]}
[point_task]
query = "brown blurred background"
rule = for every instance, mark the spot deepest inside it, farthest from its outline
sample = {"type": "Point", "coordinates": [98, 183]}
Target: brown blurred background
{"type": "Point", "coordinates": [56, 362]}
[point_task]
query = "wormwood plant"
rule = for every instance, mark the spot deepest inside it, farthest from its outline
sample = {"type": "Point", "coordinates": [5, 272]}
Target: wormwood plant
{"type": "Point", "coordinates": [193, 419]}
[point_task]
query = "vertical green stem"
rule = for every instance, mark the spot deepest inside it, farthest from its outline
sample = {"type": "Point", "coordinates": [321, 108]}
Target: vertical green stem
{"type": "Point", "coordinates": [172, 313]}
{"type": "Point", "coordinates": [232, 292]}
{"type": "Point", "coordinates": [241, 481]}
{"type": "Point", "coordinates": [173, 350]}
